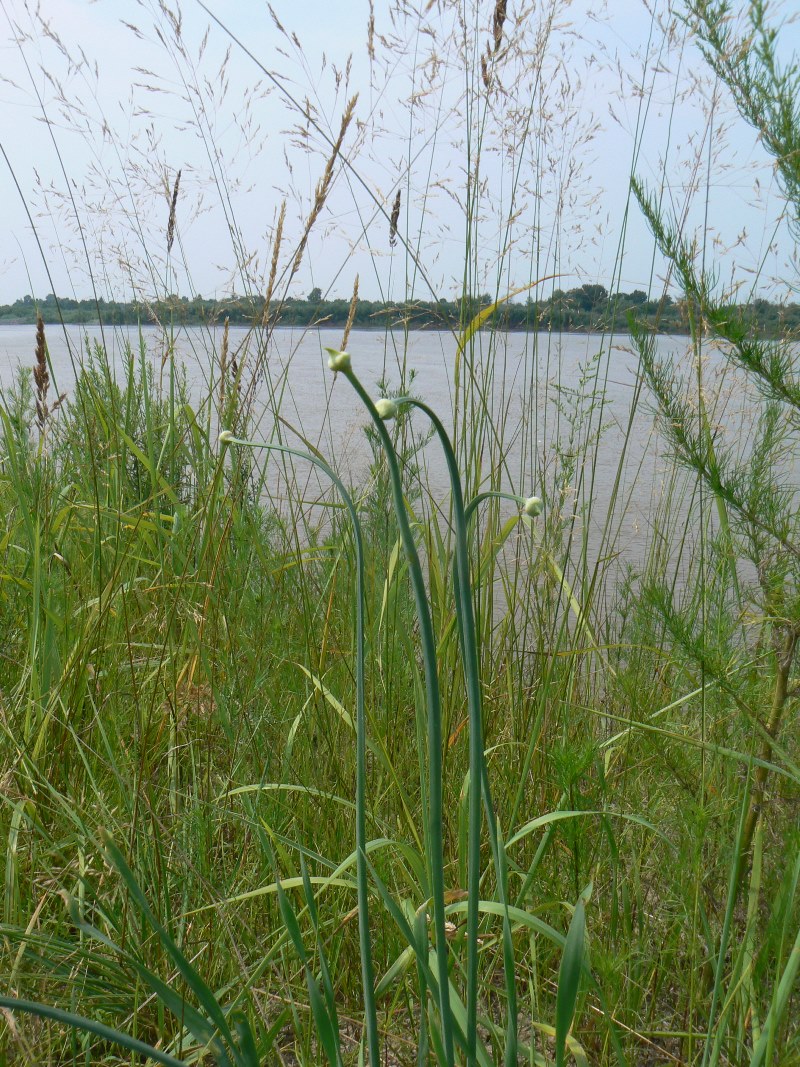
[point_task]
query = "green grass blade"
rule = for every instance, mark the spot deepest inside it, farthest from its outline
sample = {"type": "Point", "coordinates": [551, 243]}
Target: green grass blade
{"type": "Point", "coordinates": [91, 1026]}
{"type": "Point", "coordinates": [569, 976]}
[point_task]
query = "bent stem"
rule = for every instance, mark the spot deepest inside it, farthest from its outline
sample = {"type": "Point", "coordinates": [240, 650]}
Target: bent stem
{"type": "Point", "coordinates": [367, 974]}
{"type": "Point", "coordinates": [478, 772]}
{"type": "Point", "coordinates": [340, 362]}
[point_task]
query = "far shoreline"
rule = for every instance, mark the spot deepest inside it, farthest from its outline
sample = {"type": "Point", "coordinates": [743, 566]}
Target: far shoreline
{"type": "Point", "coordinates": [587, 310]}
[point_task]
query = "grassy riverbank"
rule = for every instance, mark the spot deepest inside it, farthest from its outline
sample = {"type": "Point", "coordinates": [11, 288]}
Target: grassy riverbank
{"type": "Point", "coordinates": [297, 771]}
{"type": "Point", "coordinates": [178, 673]}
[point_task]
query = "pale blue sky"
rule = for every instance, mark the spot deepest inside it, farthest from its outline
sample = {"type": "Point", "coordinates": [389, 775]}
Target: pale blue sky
{"type": "Point", "coordinates": [123, 124]}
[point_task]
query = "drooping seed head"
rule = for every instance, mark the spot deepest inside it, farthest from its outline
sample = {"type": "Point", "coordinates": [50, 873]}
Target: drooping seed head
{"type": "Point", "coordinates": [533, 506]}
{"type": "Point", "coordinates": [386, 408]}
{"type": "Point", "coordinates": [338, 360]}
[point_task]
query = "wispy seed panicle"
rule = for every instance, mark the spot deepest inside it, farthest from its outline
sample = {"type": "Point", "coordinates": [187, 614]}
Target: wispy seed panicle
{"type": "Point", "coordinates": [351, 315]}
{"type": "Point", "coordinates": [498, 21]}
{"type": "Point", "coordinates": [273, 270]}
{"type": "Point", "coordinates": [172, 207]}
{"type": "Point", "coordinates": [394, 220]}
{"type": "Point", "coordinates": [324, 184]}
{"type": "Point", "coordinates": [276, 20]}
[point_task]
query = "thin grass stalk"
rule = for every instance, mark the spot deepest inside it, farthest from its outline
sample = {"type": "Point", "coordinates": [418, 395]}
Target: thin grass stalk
{"type": "Point", "coordinates": [362, 889]}
{"type": "Point", "coordinates": [434, 704]}
{"type": "Point", "coordinates": [478, 771]}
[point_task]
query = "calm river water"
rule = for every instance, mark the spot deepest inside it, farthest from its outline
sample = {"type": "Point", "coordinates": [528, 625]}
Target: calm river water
{"type": "Point", "coordinates": [538, 387]}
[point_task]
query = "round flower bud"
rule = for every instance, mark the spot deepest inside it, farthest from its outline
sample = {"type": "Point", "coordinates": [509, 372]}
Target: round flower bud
{"type": "Point", "coordinates": [533, 506]}
{"type": "Point", "coordinates": [386, 408]}
{"type": "Point", "coordinates": [226, 436]}
{"type": "Point", "coordinates": [338, 360]}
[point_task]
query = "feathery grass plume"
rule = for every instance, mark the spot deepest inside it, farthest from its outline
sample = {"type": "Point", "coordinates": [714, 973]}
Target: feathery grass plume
{"type": "Point", "coordinates": [324, 184]}
{"type": "Point", "coordinates": [498, 21]}
{"type": "Point", "coordinates": [351, 315]}
{"type": "Point", "coordinates": [273, 270]}
{"type": "Point", "coordinates": [172, 206]}
{"type": "Point", "coordinates": [394, 220]}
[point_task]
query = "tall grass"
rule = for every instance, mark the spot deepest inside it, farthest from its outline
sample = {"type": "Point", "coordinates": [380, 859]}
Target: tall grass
{"type": "Point", "coordinates": [404, 770]}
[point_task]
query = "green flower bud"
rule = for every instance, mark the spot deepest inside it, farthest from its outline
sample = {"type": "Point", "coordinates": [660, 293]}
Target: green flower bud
{"type": "Point", "coordinates": [226, 436]}
{"type": "Point", "coordinates": [533, 506]}
{"type": "Point", "coordinates": [338, 360]}
{"type": "Point", "coordinates": [386, 408]}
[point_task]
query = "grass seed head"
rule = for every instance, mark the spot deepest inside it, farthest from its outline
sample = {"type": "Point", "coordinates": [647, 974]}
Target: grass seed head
{"type": "Point", "coordinates": [351, 315]}
{"type": "Point", "coordinates": [173, 205]}
{"type": "Point", "coordinates": [273, 270]}
{"type": "Point", "coordinates": [497, 22]}
{"type": "Point", "coordinates": [394, 220]}
{"type": "Point", "coordinates": [324, 184]}
{"type": "Point", "coordinates": [41, 377]}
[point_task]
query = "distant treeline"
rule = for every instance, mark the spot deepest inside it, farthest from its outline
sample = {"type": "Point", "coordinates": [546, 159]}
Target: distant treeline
{"type": "Point", "coordinates": [588, 308]}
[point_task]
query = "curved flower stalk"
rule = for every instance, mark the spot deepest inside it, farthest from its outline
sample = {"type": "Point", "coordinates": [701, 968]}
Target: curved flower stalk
{"type": "Point", "coordinates": [533, 506]}
{"type": "Point", "coordinates": [478, 773]}
{"type": "Point", "coordinates": [367, 972]}
{"type": "Point", "coordinates": [338, 363]}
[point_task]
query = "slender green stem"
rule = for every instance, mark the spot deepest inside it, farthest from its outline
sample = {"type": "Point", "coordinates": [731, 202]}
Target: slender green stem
{"type": "Point", "coordinates": [367, 972]}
